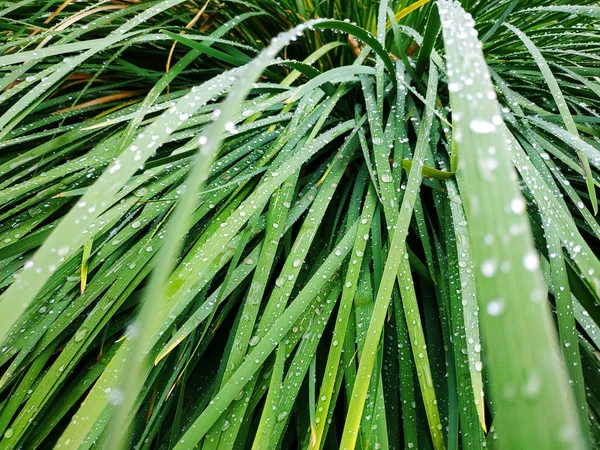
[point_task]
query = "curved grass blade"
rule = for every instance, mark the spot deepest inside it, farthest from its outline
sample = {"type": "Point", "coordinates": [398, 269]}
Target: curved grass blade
{"type": "Point", "coordinates": [561, 103]}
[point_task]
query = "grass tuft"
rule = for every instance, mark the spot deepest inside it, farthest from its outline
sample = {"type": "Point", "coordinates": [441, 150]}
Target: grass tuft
{"type": "Point", "coordinates": [276, 225]}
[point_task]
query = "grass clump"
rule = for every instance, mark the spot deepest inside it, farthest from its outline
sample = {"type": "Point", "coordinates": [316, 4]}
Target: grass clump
{"type": "Point", "coordinates": [276, 225]}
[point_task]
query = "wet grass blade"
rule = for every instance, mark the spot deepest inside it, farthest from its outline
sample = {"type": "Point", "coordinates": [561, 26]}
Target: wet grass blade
{"type": "Point", "coordinates": [561, 103]}
{"type": "Point", "coordinates": [395, 268]}
{"type": "Point", "coordinates": [531, 400]}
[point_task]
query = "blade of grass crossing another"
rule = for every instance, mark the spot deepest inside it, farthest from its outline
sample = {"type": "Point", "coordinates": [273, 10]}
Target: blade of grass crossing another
{"type": "Point", "coordinates": [62, 242]}
{"type": "Point", "coordinates": [468, 367]}
{"type": "Point", "coordinates": [468, 293]}
{"type": "Point", "coordinates": [148, 322]}
{"type": "Point", "coordinates": [407, 10]}
{"type": "Point", "coordinates": [296, 258]}
{"type": "Point", "coordinates": [266, 345]}
{"type": "Point", "coordinates": [277, 214]}
{"type": "Point", "coordinates": [341, 324]}
{"type": "Point", "coordinates": [406, 377]}
{"type": "Point", "coordinates": [168, 310]}
{"type": "Point", "coordinates": [395, 267]}
{"type": "Point", "coordinates": [298, 371]}
{"type": "Point", "coordinates": [363, 35]}
{"type": "Point", "coordinates": [563, 108]}
{"type": "Point", "coordinates": [567, 328]}
{"type": "Point", "coordinates": [409, 304]}
{"type": "Point", "coordinates": [266, 424]}
{"type": "Point", "coordinates": [531, 397]}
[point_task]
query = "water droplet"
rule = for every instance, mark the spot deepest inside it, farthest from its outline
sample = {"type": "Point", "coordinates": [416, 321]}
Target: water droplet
{"type": "Point", "coordinates": [533, 386]}
{"type": "Point", "coordinates": [453, 87]}
{"type": "Point", "coordinates": [495, 307]}
{"type": "Point", "coordinates": [517, 205]}
{"type": "Point", "coordinates": [531, 261]}
{"type": "Point", "coordinates": [489, 267]}
{"type": "Point", "coordinates": [116, 397]}
{"type": "Point", "coordinates": [80, 335]}
{"type": "Point", "coordinates": [480, 126]}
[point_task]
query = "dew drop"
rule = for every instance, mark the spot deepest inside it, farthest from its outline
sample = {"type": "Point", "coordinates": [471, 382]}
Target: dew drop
{"type": "Point", "coordinates": [480, 126]}
{"type": "Point", "coordinates": [531, 261]}
{"type": "Point", "coordinates": [488, 268]}
{"type": "Point", "coordinates": [495, 307]}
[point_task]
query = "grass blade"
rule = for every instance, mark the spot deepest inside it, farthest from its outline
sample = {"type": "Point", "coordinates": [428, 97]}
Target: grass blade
{"type": "Point", "coordinates": [530, 397]}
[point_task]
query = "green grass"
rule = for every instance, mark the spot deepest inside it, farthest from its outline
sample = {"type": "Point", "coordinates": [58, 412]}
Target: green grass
{"type": "Point", "coordinates": [280, 225]}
